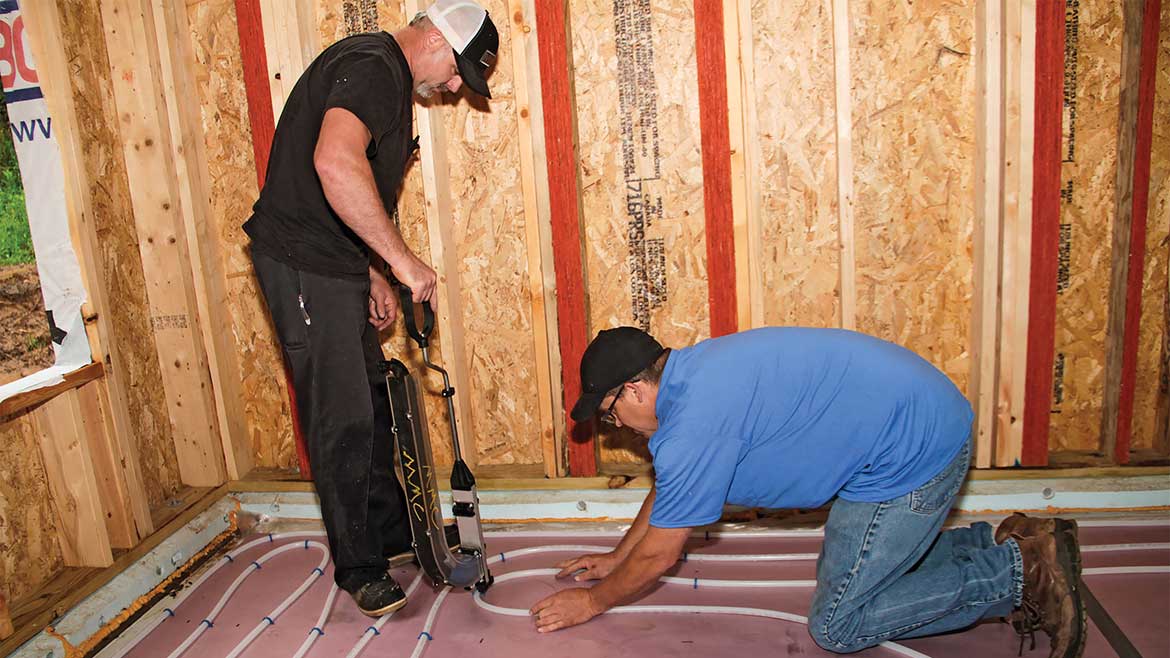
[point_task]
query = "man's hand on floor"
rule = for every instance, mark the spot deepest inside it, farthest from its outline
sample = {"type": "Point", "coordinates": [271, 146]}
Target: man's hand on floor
{"type": "Point", "coordinates": [564, 609]}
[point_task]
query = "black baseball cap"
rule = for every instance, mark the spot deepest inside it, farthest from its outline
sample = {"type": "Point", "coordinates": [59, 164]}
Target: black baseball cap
{"type": "Point", "coordinates": [472, 35]}
{"type": "Point", "coordinates": [613, 357]}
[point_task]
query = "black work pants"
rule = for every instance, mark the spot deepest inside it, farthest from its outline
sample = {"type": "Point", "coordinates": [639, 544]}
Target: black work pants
{"type": "Point", "coordinates": [334, 354]}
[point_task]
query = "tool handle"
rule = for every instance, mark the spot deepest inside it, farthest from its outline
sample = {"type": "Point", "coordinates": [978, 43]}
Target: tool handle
{"type": "Point", "coordinates": [408, 312]}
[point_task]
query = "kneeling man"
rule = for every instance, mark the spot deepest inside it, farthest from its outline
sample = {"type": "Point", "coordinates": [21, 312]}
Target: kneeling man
{"type": "Point", "coordinates": [791, 418]}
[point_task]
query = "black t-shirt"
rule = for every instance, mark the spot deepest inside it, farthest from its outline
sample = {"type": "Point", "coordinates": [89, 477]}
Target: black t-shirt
{"type": "Point", "coordinates": [292, 222]}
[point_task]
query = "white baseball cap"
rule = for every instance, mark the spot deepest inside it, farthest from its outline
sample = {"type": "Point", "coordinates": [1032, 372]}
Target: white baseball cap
{"type": "Point", "coordinates": [473, 37]}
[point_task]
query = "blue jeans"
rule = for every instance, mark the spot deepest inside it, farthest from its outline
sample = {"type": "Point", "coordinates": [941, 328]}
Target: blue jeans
{"type": "Point", "coordinates": [885, 571]}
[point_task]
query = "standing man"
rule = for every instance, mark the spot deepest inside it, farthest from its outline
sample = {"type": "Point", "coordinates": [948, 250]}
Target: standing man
{"type": "Point", "coordinates": [320, 232]}
{"type": "Point", "coordinates": [790, 418]}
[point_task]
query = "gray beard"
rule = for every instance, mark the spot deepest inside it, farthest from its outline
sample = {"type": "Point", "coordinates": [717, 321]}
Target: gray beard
{"type": "Point", "coordinates": [425, 91]}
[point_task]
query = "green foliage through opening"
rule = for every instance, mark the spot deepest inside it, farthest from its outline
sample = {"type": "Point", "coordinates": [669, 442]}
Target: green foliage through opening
{"type": "Point", "coordinates": [15, 239]}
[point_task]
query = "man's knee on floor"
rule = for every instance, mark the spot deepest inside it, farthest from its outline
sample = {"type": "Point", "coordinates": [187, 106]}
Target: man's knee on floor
{"type": "Point", "coordinates": [836, 636]}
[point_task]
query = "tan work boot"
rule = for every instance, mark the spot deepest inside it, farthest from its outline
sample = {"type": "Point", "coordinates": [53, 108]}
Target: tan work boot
{"type": "Point", "coordinates": [1052, 602]}
{"type": "Point", "coordinates": [1020, 526]}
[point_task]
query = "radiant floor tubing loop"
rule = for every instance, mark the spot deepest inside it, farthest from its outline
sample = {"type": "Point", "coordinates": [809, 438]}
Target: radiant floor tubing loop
{"type": "Point", "coordinates": [159, 616]}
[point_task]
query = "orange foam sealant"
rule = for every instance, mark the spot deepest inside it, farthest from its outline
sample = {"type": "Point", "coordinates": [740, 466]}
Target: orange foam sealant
{"type": "Point", "coordinates": [179, 574]}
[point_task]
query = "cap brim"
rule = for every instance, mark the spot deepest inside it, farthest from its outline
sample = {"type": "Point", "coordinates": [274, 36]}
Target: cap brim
{"type": "Point", "coordinates": [471, 76]}
{"type": "Point", "coordinates": [586, 406]}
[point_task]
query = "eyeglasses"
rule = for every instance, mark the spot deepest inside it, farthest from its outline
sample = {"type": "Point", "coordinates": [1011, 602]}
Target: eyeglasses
{"type": "Point", "coordinates": [608, 417]}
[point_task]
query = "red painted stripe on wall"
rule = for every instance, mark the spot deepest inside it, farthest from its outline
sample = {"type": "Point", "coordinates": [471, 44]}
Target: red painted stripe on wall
{"type": "Point", "coordinates": [712, 70]}
{"type": "Point", "coordinates": [259, 94]}
{"type": "Point", "coordinates": [572, 322]}
{"type": "Point", "coordinates": [1137, 251]}
{"type": "Point", "coordinates": [252, 51]}
{"type": "Point", "coordinates": [1045, 231]}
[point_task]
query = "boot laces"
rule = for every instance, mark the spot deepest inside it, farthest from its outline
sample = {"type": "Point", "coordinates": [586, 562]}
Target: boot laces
{"type": "Point", "coordinates": [1026, 621]}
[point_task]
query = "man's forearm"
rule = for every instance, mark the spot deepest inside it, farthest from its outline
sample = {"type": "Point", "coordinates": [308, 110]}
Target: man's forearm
{"type": "Point", "coordinates": [641, 569]}
{"type": "Point", "coordinates": [638, 529]}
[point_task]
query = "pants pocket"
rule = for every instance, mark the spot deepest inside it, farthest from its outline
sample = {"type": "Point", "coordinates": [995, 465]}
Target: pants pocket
{"type": "Point", "coordinates": [283, 287]}
{"type": "Point", "coordinates": [942, 488]}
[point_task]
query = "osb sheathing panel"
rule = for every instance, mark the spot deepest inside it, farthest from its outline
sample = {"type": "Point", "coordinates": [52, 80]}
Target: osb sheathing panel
{"type": "Point", "coordinates": [232, 174]}
{"type": "Point", "coordinates": [330, 21]}
{"type": "Point", "coordinates": [1153, 322]}
{"type": "Point", "coordinates": [913, 94]}
{"type": "Point", "coordinates": [117, 244]}
{"type": "Point", "coordinates": [29, 552]}
{"type": "Point", "coordinates": [792, 45]}
{"type": "Point", "coordinates": [396, 344]}
{"type": "Point", "coordinates": [661, 181]}
{"type": "Point", "coordinates": [337, 19]}
{"type": "Point", "coordinates": [488, 212]}
{"type": "Point", "coordinates": [1090, 164]}
{"type": "Point", "coordinates": [413, 225]}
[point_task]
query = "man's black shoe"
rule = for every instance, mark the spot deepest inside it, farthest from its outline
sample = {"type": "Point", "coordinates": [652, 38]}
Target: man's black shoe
{"type": "Point", "coordinates": [380, 596]}
{"type": "Point", "coordinates": [407, 556]}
